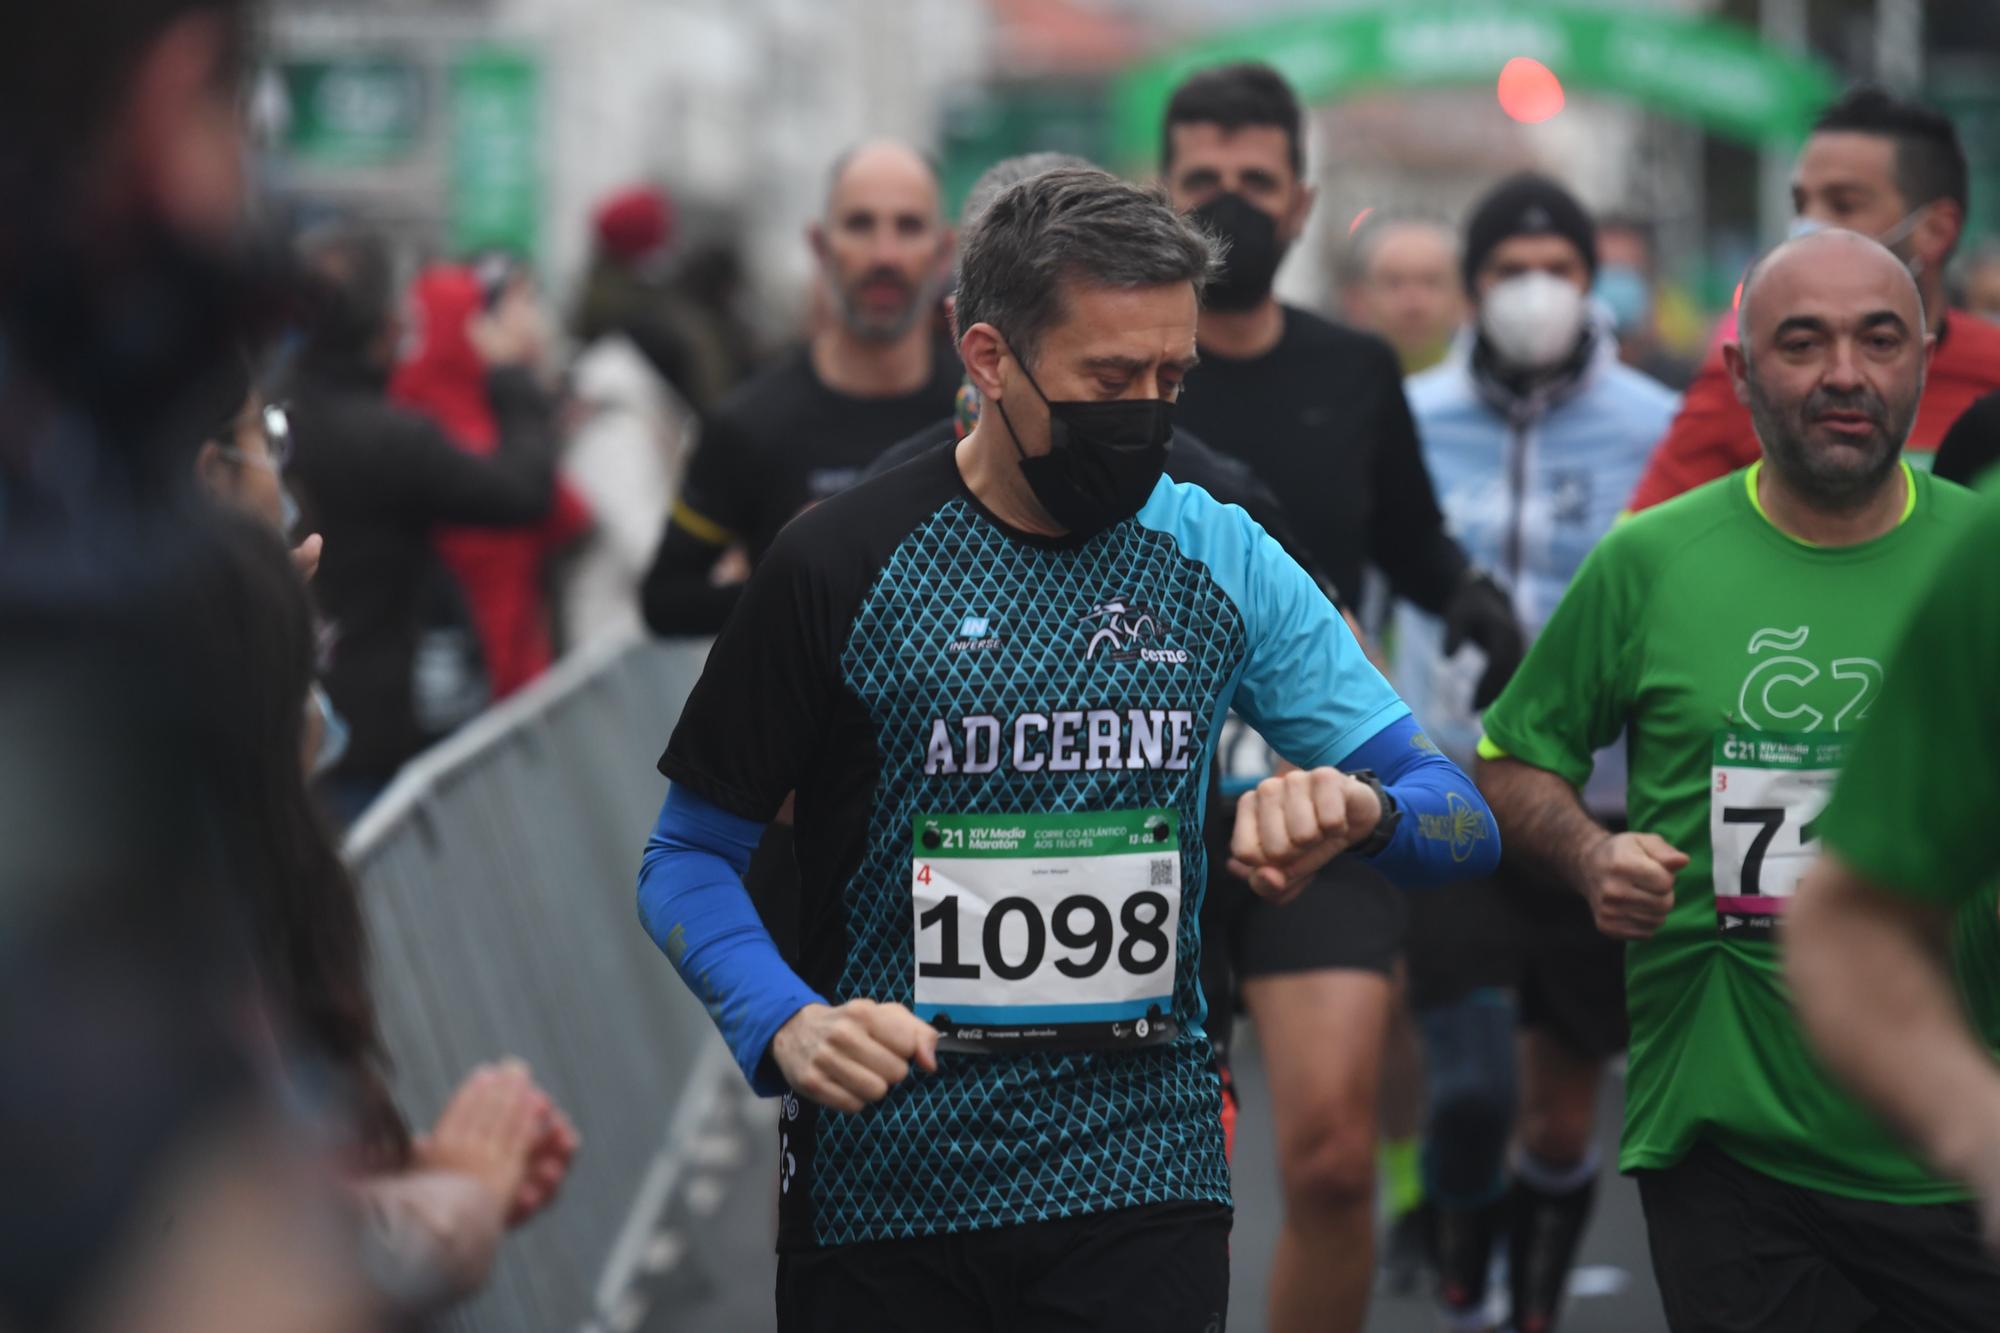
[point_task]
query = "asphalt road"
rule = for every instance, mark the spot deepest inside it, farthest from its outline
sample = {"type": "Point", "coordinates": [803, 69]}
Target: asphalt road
{"type": "Point", "coordinates": [710, 1268]}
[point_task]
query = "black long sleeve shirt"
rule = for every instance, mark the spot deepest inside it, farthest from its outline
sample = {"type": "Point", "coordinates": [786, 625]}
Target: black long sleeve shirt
{"type": "Point", "coordinates": [1321, 419]}
{"type": "Point", "coordinates": [374, 480]}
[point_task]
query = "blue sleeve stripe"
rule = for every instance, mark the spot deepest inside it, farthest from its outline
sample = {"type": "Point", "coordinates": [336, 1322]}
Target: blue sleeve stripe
{"type": "Point", "coordinates": [693, 903]}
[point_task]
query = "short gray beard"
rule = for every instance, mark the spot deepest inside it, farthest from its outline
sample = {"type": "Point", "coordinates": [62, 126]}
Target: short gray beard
{"type": "Point", "coordinates": [1832, 491]}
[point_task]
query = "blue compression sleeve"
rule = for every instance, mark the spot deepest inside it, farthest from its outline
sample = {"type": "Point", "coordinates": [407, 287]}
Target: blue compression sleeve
{"type": "Point", "coordinates": [694, 905]}
{"type": "Point", "coordinates": [1447, 832]}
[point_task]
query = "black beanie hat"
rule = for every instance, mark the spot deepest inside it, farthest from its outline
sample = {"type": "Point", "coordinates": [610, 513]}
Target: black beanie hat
{"type": "Point", "coordinates": [1527, 205]}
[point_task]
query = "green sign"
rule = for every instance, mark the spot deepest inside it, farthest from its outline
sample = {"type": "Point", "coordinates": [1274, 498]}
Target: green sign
{"type": "Point", "coordinates": [496, 151]}
{"type": "Point", "coordinates": [1717, 74]}
{"type": "Point", "coordinates": [352, 112]}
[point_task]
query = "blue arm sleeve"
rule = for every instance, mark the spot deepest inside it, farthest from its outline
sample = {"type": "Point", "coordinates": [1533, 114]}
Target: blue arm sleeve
{"type": "Point", "coordinates": [1447, 832]}
{"type": "Point", "coordinates": [694, 905]}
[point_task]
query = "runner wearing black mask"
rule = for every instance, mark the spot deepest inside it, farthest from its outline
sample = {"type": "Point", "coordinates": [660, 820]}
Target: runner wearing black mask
{"type": "Point", "coordinates": [1317, 411]}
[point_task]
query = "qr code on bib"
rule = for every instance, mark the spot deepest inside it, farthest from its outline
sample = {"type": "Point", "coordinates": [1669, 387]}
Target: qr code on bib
{"type": "Point", "coordinates": [1163, 872]}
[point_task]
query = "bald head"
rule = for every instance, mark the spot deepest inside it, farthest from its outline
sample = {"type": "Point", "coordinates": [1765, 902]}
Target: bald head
{"type": "Point", "coordinates": [882, 244]}
{"type": "Point", "coordinates": [1407, 287]}
{"type": "Point", "coordinates": [881, 168]}
{"type": "Point", "coordinates": [1820, 269]}
{"type": "Point", "coordinates": [1830, 355]}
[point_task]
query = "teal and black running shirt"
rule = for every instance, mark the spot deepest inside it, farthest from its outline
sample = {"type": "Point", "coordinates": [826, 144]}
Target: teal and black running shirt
{"type": "Point", "coordinates": [1000, 745]}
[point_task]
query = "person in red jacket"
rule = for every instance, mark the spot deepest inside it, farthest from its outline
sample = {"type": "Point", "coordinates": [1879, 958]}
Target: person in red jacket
{"type": "Point", "coordinates": [1892, 170]}
{"type": "Point", "coordinates": [443, 375]}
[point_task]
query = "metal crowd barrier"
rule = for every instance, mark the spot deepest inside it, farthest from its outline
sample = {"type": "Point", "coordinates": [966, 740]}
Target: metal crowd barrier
{"type": "Point", "coordinates": [497, 875]}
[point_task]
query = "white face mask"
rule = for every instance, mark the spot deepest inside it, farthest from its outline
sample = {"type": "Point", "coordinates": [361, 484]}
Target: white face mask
{"type": "Point", "coordinates": [1532, 321]}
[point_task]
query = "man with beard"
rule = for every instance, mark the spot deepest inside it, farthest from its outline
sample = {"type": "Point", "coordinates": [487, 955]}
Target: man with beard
{"type": "Point", "coordinates": [1317, 411]}
{"type": "Point", "coordinates": [1893, 170]}
{"type": "Point", "coordinates": [1736, 637]}
{"type": "Point", "coordinates": [807, 427]}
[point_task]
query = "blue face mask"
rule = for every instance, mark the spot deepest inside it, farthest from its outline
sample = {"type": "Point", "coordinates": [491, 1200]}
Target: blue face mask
{"type": "Point", "coordinates": [1625, 291]}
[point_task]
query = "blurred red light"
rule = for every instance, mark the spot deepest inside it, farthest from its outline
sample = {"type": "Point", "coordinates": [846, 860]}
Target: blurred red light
{"type": "Point", "coordinates": [1529, 90]}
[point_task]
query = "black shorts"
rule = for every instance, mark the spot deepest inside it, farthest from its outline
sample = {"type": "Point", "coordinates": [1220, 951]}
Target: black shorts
{"type": "Point", "coordinates": [1163, 1268]}
{"type": "Point", "coordinates": [1522, 934]}
{"type": "Point", "coordinates": [1572, 983]}
{"type": "Point", "coordinates": [1735, 1251]}
{"type": "Point", "coordinates": [1350, 918]}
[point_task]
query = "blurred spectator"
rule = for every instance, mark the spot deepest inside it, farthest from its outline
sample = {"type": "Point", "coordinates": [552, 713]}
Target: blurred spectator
{"type": "Point", "coordinates": [1628, 285]}
{"type": "Point", "coordinates": [434, 1209]}
{"type": "Point", "coordinates": [1406, 288]}
{"type": "Point", "coordinates": [504, 572]}
{"type": "Point", "coordinates": [375, 480]}
{"type": "Point", "coordinates": [151, 1183]}
{"type": "Point", "coordinates": [630, 290]}
{"type": "Point", "coordinates": [711, 275]}
{"type": "Point", "coordinates": [240, 464]}
{"type": "Point", "coordinates": [625, 459]}
{"type": "Point", "coordinates": [146, 1159]}
{"type": "Point", "coordinates": [873, 374]}
{"type": "Point", "coordinates": [1982, 282]}
{"type": "Point", "coordinates": [1893, 170]}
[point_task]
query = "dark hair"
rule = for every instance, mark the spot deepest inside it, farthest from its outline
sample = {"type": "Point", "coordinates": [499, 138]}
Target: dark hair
{"type": "Point", "coordinates": [307, 933]}
{"type": "Point", "coordinates": [1235, 97]}
{"type": "Point", "coordinates": [64, 69]}
{"type": "Point", "coordinates": [352, 279]}
{"type": "Point", "coordinates": [1930, 161]}
{"type": "Point", "coordinates": [1075, 224]}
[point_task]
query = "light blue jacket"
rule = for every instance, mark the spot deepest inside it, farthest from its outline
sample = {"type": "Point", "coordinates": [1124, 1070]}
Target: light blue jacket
{"type": "Point", "coordinates": [1528, 486]}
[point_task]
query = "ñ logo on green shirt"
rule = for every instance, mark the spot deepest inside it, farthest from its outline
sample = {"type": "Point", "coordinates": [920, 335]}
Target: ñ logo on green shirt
{"type": "Point", "coordinates": [1460, 825]}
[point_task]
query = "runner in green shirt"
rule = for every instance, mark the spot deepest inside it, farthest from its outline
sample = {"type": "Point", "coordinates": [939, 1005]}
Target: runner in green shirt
{"type": "Point", "coordinates": [1736, 637]}
{"type": "Point", "coordinates": [1909, 890]}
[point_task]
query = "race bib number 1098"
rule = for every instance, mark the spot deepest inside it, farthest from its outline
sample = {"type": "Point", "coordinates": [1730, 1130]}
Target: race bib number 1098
{"type": "Point", "coordinates": [1046, 932]}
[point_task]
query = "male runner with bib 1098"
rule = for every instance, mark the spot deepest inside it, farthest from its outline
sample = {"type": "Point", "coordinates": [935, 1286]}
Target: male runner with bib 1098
{"type": "Point", "coordinates": [993, 677]}
{"type": "Point", "coordinates": [1736, 637]}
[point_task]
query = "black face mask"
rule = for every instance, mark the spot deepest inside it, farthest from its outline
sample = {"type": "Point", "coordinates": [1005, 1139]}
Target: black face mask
{"type": "Point", "coordinates": [1104, 459]}
{"type": "Point", "coordinates": [1254, 252]}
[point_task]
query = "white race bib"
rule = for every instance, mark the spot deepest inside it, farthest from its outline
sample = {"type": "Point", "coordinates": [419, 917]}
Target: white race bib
{"type": "Point", "coordinates": [1765, 798]}
{"type": "Point", "coordinates": [1046, 932]}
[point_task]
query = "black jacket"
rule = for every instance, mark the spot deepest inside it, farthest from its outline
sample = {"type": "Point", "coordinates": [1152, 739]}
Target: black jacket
{"type": "Point", "coordinates": [374, 479]}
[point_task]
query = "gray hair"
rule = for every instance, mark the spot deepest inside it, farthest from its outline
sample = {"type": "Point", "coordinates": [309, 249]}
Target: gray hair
{"type": "Point", "coordinates": [1009, 172]}
{"type": "Point", "coordinates": [1073, 224]}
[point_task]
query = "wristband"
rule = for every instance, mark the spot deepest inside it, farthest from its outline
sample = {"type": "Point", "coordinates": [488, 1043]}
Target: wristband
{"type": "Point", "coordinates": [1392, 814]}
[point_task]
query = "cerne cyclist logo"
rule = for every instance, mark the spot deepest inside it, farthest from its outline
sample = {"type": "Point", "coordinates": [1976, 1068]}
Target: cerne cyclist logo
{"type": "Point", "coordinates": [1763, 701]}
{"type": "Point", "coordinates": [1122, 629]}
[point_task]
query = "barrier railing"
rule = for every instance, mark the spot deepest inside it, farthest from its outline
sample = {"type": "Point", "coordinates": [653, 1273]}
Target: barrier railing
{"type": "Point", "coordinates": [497, 875]}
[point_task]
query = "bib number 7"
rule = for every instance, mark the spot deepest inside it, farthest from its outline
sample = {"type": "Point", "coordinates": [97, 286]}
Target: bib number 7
{"type": "Point", "coordinates": [1766, 801]}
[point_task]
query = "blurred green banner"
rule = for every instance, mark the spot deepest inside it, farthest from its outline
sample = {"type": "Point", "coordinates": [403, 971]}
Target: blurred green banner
{"type": "Point", "coordinates": [496, 150]}
{"type": "Point", "coordinates": [1714, 73]}
{"type": "Point", "coordinates": [352, 111]}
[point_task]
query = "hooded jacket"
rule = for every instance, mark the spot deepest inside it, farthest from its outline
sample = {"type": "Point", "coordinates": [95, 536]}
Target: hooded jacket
{"type": "Point", "coordinates": [502, 571]}
{"type": "Point", "coordinates": [1529, 481]}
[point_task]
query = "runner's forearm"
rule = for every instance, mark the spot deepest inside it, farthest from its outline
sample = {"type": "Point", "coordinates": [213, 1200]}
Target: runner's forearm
{"type": "Point", "coordinates": [1871, 979]}
{"type": "Point", "coordinates": [694, 905]}
{"type": "Point", "coordinates": [1546, 826]}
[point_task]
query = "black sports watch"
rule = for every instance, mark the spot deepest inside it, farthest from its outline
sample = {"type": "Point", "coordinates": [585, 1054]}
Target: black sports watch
{"type": "Point", "coordinates": [1392, 814]}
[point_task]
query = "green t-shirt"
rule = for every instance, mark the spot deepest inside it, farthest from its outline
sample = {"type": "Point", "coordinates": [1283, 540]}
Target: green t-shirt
{"type": "Point", "coordinates": [1916, 808]}
{"type": "Point", "coordinates": [1735, 660]}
